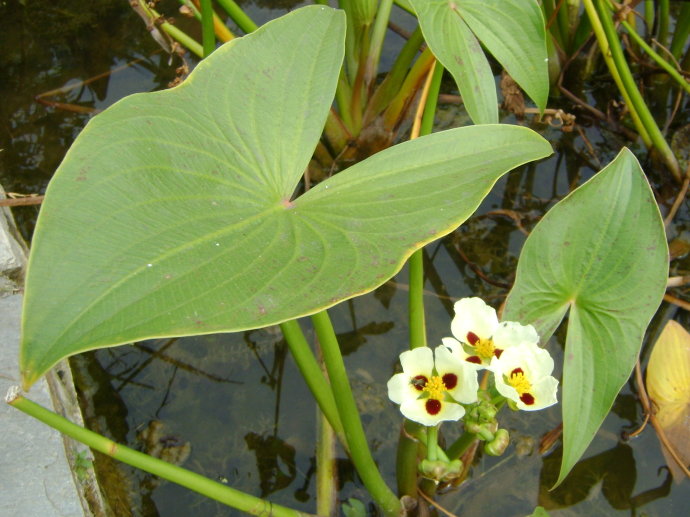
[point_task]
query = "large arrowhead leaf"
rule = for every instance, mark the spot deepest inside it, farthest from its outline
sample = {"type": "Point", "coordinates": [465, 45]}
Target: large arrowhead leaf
{"type": "Point", "coordinates": [512, 30]}
{"type": "Point", "coordinates": [173, 215]}
{"type": "Point", "coordinates": [601, 252]}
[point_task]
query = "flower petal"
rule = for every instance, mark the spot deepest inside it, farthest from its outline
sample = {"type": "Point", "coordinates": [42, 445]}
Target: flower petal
{"type": "Point", "coordinates": [418, 361]}
{"type": "Point", "coordinates": [536, 364]}
{"type": "Point", "coordinates": [466, 386]}
{"type": "Point", "coordinates": [475, 316]}
{"type": "Point", "coordinates": [416, 410]}
{"type": "Point", "coordinates": [510, 333]}
{"type": "Point", "coordinates": [545, 394]}
{"type": "Point", "coordinates": [400, 389]}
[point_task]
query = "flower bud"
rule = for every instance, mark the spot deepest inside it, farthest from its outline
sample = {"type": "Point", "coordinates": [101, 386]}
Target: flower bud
{"type": "Point", "coordinates": [499, 444]}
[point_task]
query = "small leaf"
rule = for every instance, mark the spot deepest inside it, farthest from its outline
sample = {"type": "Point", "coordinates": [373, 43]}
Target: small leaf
{"type": "Point", "coordinates": [173, 213]}
{"type": "Point", "coordinates": [514, 33]}
{"type": "Point", "coordinates": [458, 50]}
{"type": "Point", "coordinates": [600, 252]}
{"type": "Point", "coordinates": [668, 385]}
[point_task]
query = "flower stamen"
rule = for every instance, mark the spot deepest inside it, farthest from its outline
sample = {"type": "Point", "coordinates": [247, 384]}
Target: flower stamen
{"type": "Point", "coordinates": [519, 381]}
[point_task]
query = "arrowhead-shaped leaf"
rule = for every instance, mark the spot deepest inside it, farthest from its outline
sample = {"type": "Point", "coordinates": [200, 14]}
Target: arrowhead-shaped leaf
{"type": "Point", "coordinates": [173, 213]}
{"type": "Point", "coordinates": [600, 252]}
{"type": "Point", "coordinates": [512, 30]}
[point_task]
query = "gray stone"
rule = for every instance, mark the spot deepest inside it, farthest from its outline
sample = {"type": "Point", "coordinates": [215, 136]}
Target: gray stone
{"type": "Point", "coordinates": [35, 476]}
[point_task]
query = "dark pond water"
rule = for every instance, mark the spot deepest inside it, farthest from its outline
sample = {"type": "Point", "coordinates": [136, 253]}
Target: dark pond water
{"type": "Point", "coordinates": [235, 403]}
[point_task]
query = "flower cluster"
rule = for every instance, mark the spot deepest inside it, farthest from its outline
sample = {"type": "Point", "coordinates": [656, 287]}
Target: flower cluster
{"type": "Point", "coordinates": [432, 386]}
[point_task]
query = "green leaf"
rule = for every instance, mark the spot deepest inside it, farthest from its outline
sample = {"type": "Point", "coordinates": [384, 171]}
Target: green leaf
{"type": "Point", "coordinates": [457, 49]}
{"type": "Point", "coordinates": [173, 213]}
{"type": "Point", "coordinates": [601, 252]}
{"type": "Point", "coordinates": [514, 33]}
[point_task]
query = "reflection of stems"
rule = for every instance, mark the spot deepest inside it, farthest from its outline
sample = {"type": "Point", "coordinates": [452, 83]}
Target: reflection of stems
{"type": "Point", "coordinates": [347, 408]}
{"type": "Point", "coordinates": [311, 371]}
{"type": "Point", "coordinates": [188, 479]}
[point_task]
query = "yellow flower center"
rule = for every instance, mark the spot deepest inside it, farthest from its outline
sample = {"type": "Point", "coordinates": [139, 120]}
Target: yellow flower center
{"type": "Point", "coordinates": [435, 387]}
{"type": "Point", "coordinates": [518, 381]}
{"type": "Point", "coordinates": [485, 348]}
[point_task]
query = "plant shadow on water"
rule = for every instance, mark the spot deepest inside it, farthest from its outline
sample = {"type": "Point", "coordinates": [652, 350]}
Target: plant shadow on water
{"type": "Point", "coordinates": [234, 407]}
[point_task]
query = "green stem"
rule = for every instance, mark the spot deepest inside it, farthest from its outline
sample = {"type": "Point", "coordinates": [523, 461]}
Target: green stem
{"type": "Point", "coordinates": [657, 58]}
{"type": "Point", "coordinates": [649, 15]}
{"type": "Point", "coordinates": [180, 36]}
{"type": "Point", "coordinates": [391, 84]}
{"type": "Point", "coordinates": [664, 16]}
{"type": "Point", "coordinates": [638, 104]}
{"type": "Point", "coordinates": [376, 42]}
{"type": "Point", "coordinates": [208, 36]}
{"type": "Point", "coordinates": [235, 12]}
{"type": "Point", "coordinates": [326, 471]}
{"type": "Point", "coordinates": [354, 432]}
{"type": "Point", "coordinates": [600, 34]}
{"type": "Point", "coordinates": [188, 479]}
{"type": "Point", "coordinates": [432, 443]}
{"type": "Point", "coordinates": [416, 300]}
{"type": "Point", "coordinates": [461, 445]}
{"type": "Point", "coordinates": [406, 462]}
{"type": "Point", "coordinates": [680, 34]}
{"type": "Point", "coordinates": [313, 376]}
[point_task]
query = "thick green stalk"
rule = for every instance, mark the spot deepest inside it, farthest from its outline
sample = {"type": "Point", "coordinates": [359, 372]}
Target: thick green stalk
{"type": "Point", "coordinates": [326, 470]}
{"type": "Point", "coordinates": [235, 12]}
{"type": "Point", "coordinates": [416, 261]}
{"type": "Point", "coordinates": [354, 432]}
{"type": "Point", "coordinates": [313, 376]}
{"type": "Point", "coordinates": [657, 58]}
{"type": "Point", "coordinates": [188, 479]}
{"type": "Point", "coordinates": [406, 462]}
{"type": "Point", "coordinates": [638, 104]}
{"type": "Point", "coordinates": [208, 37]}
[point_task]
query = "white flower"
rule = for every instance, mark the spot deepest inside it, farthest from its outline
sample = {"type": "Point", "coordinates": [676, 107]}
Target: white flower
{"type": "Point", "coordinates": [431, 391]}
{"type": "Point", "coordinates": [479, 337]}
{"type": "Point", "coordinates": [523, 375]}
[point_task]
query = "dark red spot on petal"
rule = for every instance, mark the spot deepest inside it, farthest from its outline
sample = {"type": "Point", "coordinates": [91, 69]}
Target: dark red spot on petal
{"type": "Point", "coordinates": [472, 338]}
{"type": "Point", "coordinates": [419, 382]}
{"type": "Point", "coordinates": [433, 406]}
{"type": "Point", "coordinates": [498, 352]}
{"type": "Point", "coordinates": [527, 399]}
{"type": "Point", "coordinates": [474, 359]}
{"type": "Point", "coordinates": [450, 380]}
{"type": "Point", "coordinates": [516, 371]}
